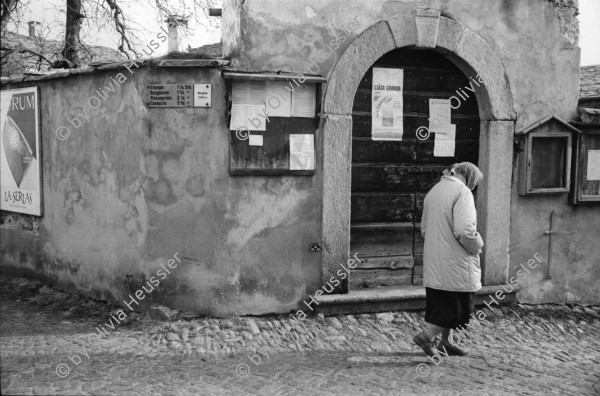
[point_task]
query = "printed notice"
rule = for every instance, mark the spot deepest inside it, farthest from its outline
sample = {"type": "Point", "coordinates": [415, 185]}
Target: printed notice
{"type": "Point", "coordinates": [386, 104]}
{"type": "Point", "coordinates": [439, 113]}
{"type": "Point", "coordinates": [302, 152]}
{"type": "Point", "coordinates": [304, 101]}
{"type": "Point", "coordinates": [178, 95]}
{"type": "Point", "coordinates": [256, 140]}
{"type": "Point", "coordinates": [279, 99]}
{"type": "Point", "coordinates": [445, 140]}
{"type": "Point", "coordinates": [593, 165]}
{"type": "Point", "coordinates": [249, 92]}
{"type": "Point", "coordinates": [170, 95]}
{"type": "Point", "coordinates": [249, 117]}
{"type": "Point", "coordinates": [202, 95]}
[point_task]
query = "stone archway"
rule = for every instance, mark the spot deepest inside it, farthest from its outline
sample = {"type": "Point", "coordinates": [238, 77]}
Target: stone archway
{"type": "Point", "coordinates": [424, 29]}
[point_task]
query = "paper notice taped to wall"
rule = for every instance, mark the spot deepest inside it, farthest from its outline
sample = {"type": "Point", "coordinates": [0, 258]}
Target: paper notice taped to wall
{"type": "Point", "coordinates": [302, 152]}
{"type": "Point", "coordinates": [248, 105]}
{"type": "Point", "coordinates": [279, 99]}
{"type": "Point", "coordinates": [255, 140]}
{"type": "Point", "coordinates": [248, 117]}
{"type": "Point", "coordinates": [304, 101]}
{"type": "Point", "coordinates": [445, 140]}
{"type": "Point", "coordinates": [386, 104]}
{"type": "Point", "coordinates": [593, 165]}
{"type": "Point", "coordinates": [439, 113]}
{"type": "Point", "coordinates": [249, 92]}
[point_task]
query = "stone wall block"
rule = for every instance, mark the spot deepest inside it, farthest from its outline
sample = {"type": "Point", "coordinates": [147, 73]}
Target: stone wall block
{"type": "Point", "coordinates": [494, 196]}
{"type": "Point", "coordinates": [337, 154]}
{"type": "Point", "coordinates": [449, 35]}
{"type": "Point", "coordinates": [403, 29]}
{"type": "Point", "coordinates": [427, 23]}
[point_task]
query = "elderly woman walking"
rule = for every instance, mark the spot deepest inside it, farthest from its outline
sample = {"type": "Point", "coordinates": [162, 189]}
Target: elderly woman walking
{"type": "Point", "coordinates": [451, 271]}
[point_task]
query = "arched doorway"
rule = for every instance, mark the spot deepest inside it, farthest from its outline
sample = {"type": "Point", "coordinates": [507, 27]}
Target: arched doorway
{"type": "Point", "coordinates": [425, 29]}
{"type": "Point", "coordinates": [391, 178]}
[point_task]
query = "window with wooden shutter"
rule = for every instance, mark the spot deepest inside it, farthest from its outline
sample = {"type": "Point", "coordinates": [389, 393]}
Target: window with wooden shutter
{"type": "Point", "coordinates": [586, 186]}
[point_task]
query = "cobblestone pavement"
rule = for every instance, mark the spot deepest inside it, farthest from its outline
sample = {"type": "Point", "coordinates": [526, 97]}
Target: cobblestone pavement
{"type": "Point", "coordinates": [525, 350]}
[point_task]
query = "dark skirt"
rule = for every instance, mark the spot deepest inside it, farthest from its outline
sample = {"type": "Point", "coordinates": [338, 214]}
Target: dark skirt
{"type": "Point", "coordinates": [448, 309]}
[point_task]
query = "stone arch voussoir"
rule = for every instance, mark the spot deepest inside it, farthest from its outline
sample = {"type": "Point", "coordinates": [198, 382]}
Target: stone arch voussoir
{"type": "Point", "coordinates": [424, 29]}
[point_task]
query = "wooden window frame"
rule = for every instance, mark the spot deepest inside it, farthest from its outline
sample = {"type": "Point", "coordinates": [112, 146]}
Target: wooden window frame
{"type": "Point", "coordinates": [580, 151]}
{"type": "Point", "coordinates": [525, 185]}
{"type": "Point", "coordinates": [537, 131]}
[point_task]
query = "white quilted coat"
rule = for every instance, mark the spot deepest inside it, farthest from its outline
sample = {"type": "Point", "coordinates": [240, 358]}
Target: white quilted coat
{"type": "Point", "coordinates": [452, 243]}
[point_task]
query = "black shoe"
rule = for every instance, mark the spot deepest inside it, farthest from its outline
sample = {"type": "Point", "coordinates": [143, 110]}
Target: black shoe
{"type": "Point", "coordinates": [427, 346]}
{"type": "Point", "coordinates": [451, 350]}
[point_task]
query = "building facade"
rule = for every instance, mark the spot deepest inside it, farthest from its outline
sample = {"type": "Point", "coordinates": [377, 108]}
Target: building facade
{"type": "Point", "coordinates": [126, 185]}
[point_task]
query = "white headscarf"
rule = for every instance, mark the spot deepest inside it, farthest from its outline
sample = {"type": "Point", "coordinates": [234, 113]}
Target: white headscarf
{"type": "Point", "coordinates": [471, 173]}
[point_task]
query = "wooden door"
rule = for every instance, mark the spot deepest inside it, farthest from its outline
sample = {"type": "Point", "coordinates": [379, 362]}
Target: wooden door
{"type": "Point", "coordinates": [390, 179]}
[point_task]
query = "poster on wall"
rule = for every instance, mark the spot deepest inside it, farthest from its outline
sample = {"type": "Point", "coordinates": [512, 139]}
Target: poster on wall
{"type": "Point", "coordinates": [439, 113]}
{"type": "Point", "coordinates": [20, 161]}
{"type": "Point", "coordinates": [445, 141]}
{"type": "Point", "coordinates": [386, 104]}
{"type": "Point", "coordinates": [302, 152]}
{"type": "Point", "coordinates": [439, 124]}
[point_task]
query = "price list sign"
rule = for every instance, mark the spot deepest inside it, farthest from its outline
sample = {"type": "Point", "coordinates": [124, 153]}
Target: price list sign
{"type": "Point", "coordinates": [178, 95]}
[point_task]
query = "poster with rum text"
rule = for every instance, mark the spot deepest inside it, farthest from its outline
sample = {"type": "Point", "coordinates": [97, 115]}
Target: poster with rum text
{"type": "Point", "coordinates": [20, 160]}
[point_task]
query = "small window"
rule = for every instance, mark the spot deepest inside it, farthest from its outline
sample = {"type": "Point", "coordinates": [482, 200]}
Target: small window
{"type": "Point", "coordinates": [545, 157]}
{"type": "Point", "coordinates": [586, 186]}
{"type": "Point", "coordinates": [545, 173]}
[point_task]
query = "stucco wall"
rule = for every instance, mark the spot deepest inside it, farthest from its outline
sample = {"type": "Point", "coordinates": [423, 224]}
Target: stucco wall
{"type": "Point", "coordinates": [231, 34]}
{"type": "Point", "coordinates": [575, 266]}
{"type": "Point", "coordinates": [135, 185]}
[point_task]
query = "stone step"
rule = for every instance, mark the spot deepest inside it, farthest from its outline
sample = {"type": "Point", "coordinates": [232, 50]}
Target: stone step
{"type": "Point", "coordinates": [395, 298]}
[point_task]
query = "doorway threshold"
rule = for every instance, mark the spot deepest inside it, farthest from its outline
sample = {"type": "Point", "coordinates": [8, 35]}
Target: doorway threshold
{"type": "Point", "coordinates": [393, 298]}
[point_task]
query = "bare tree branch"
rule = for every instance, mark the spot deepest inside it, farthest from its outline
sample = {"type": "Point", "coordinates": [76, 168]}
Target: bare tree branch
{"type": "Point", "coordinates": [199, 9]}
{"type": "Point", "coordinates": [7, 7]}
{"type": "Point", "coordinates": [5, 58]}
{"type": "Point", "coordinates": [84, 46]}
{"type": "Point", "coordinates": [42, 57]}
{"type": "Point", "coordinates": [11, 11]}
{"type": "Point", "coordinates": [119, 20]}
{"type": "Point", "coordinates": [83, 18]}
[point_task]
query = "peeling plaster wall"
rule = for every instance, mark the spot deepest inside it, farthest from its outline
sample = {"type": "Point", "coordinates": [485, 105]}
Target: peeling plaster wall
{"type": "Point", "coordinates": [567, 11]}
{"type": "Point", "coordinates": [134, 185]}
{"type": "Point", "coordinates": [536, 41]}
{"type": "Point", "coordinates": [231, 34]}
{"type": "Point", "coordinates": [575, 266]}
